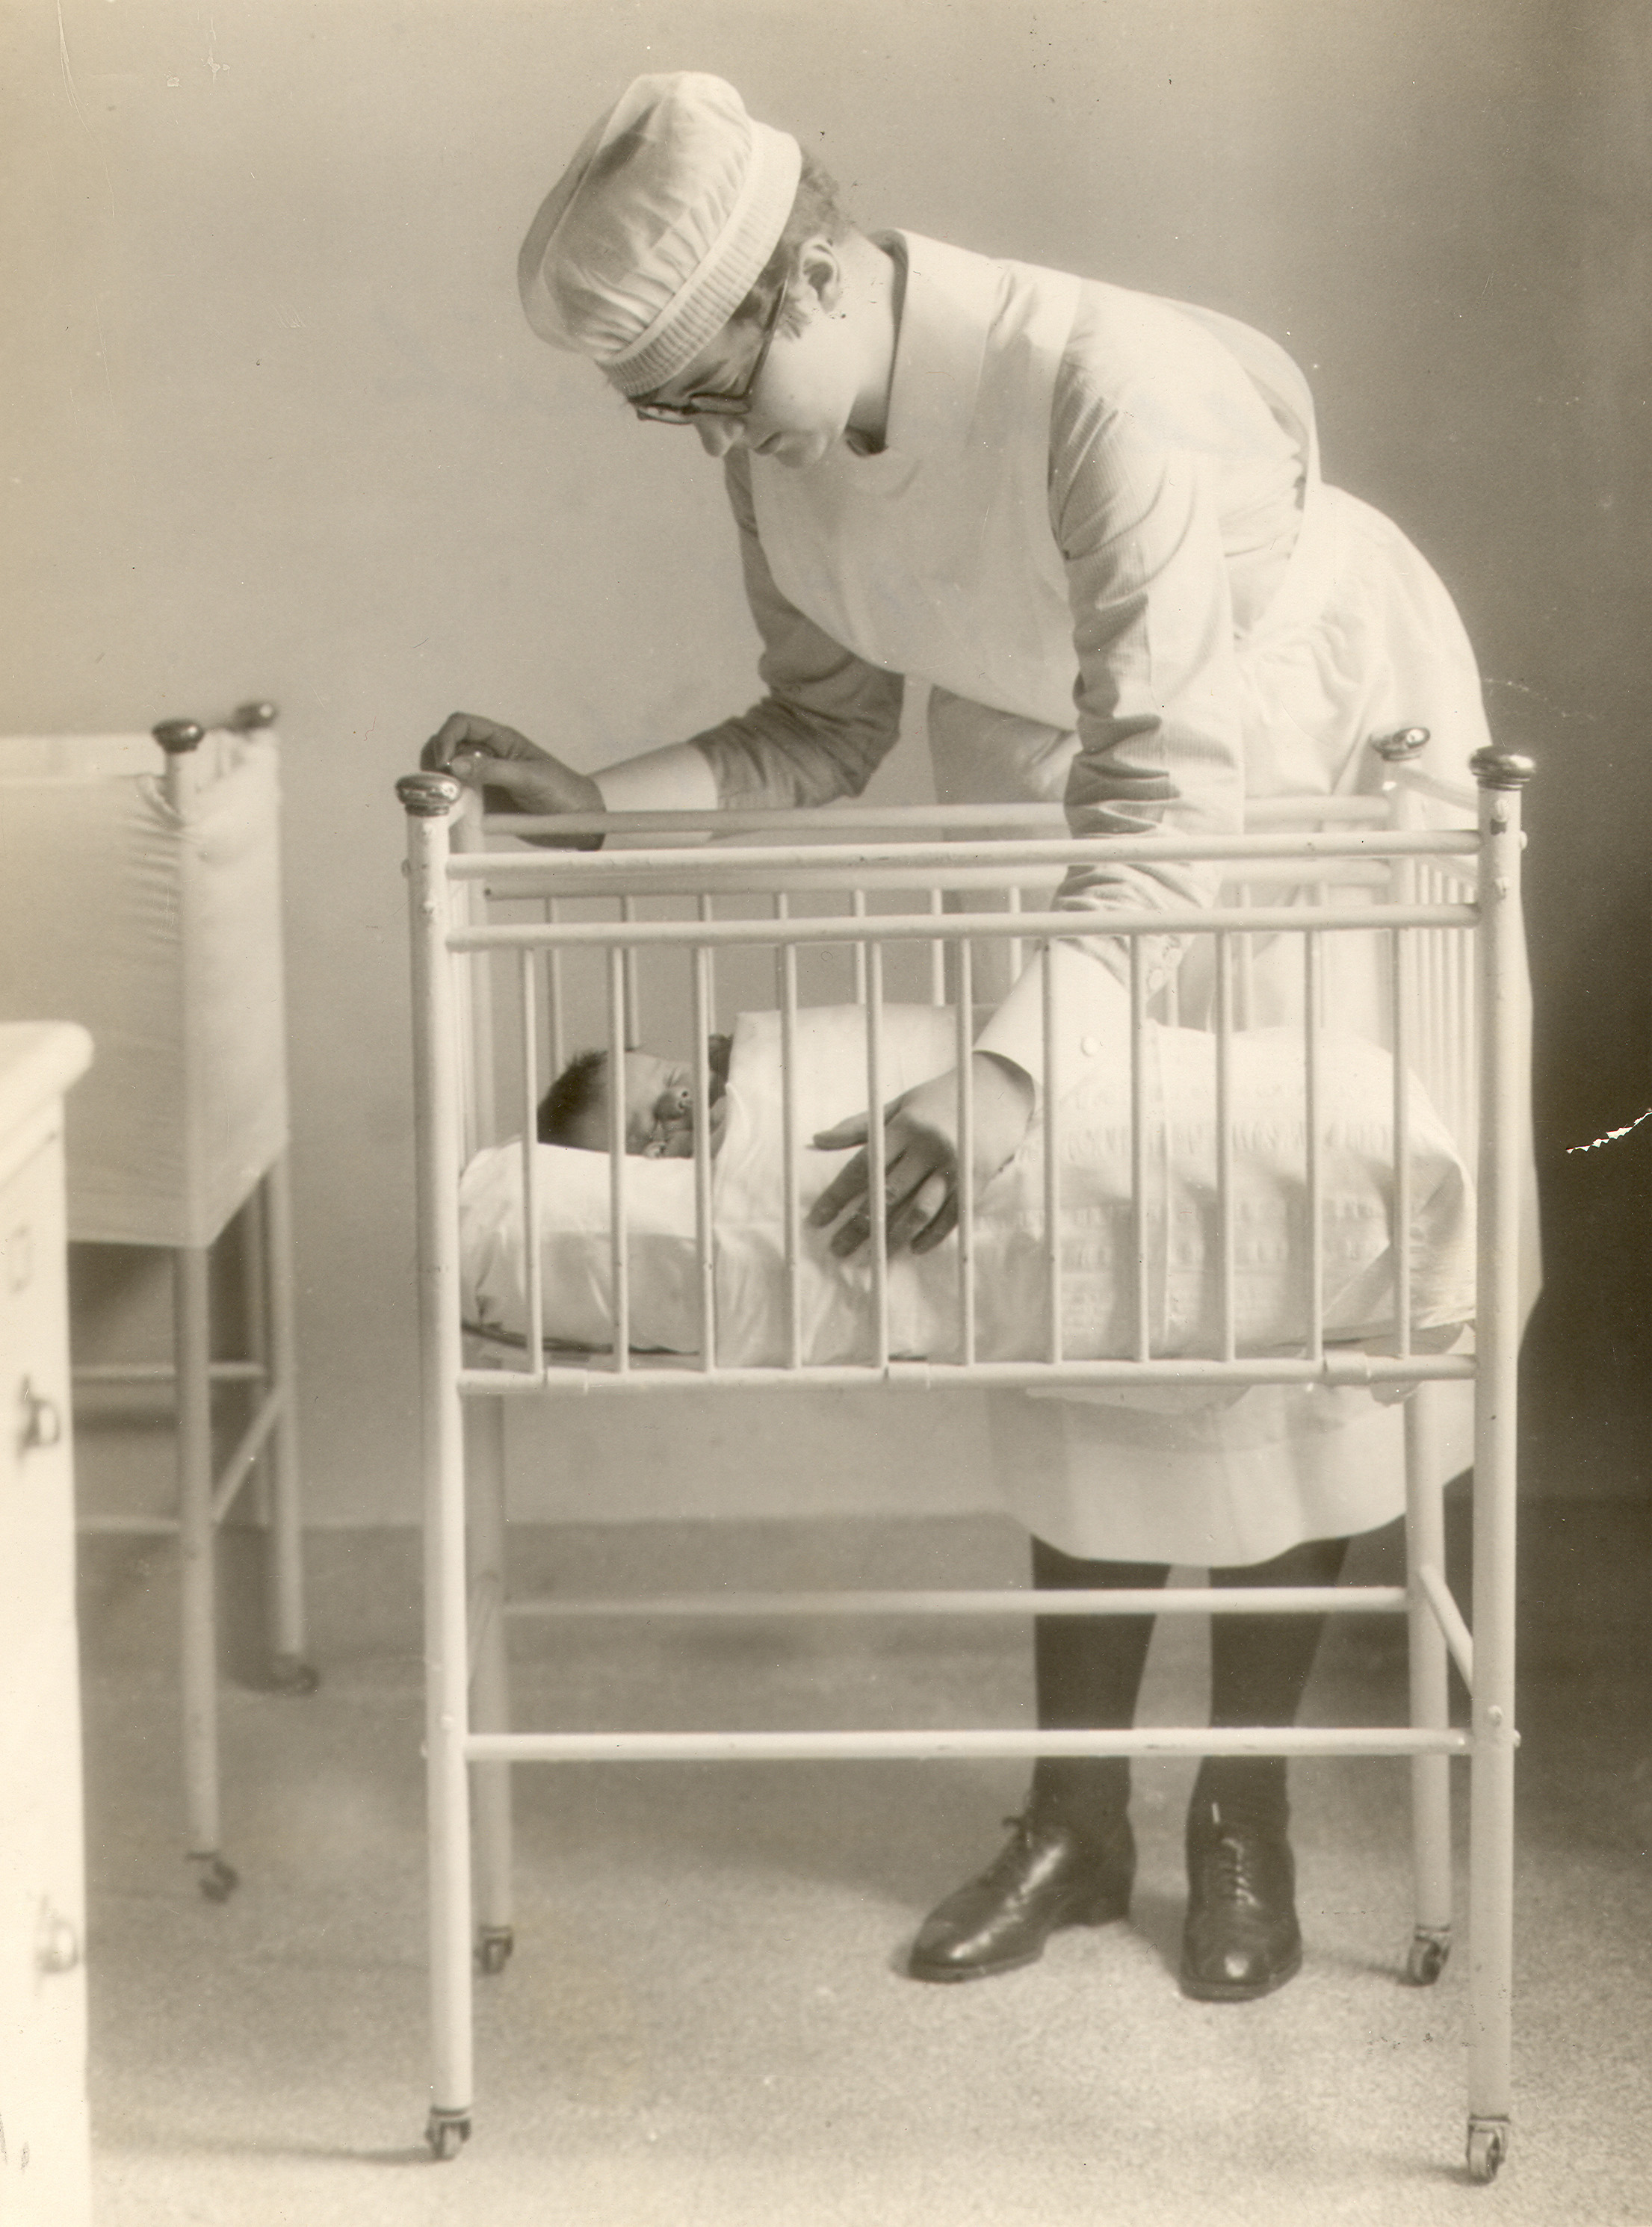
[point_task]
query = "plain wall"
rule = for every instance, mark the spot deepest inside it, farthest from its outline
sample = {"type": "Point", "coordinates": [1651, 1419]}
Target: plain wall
{"type": "Point", "coordinates": [275, 426]}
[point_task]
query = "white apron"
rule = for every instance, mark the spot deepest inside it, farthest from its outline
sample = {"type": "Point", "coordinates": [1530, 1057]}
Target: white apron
{"type": "Point", "coordinates": [944, 567]}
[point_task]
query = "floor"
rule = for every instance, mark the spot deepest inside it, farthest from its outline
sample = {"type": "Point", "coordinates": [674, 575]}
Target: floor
{"type": "Point", "coordinates": [705, 2023]}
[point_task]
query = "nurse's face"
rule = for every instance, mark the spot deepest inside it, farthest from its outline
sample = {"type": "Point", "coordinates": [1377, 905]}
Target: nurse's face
{"type": "Point", "coordinates": [800, 389]}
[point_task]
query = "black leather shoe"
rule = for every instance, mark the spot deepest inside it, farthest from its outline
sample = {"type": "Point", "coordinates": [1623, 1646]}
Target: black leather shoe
{"type": "Point", "coordinates": [1241, 1939]}
{"type": "Point", "coordinates": [1046, 1877]}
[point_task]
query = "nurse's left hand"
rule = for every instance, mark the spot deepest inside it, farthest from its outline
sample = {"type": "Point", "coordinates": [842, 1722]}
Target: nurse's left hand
{"type": "Point", "coordinates": [921, 1157]}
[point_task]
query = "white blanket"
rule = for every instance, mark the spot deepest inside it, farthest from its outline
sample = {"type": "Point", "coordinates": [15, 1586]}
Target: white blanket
{"type": "Point", "coordinates": [1270, 1200]}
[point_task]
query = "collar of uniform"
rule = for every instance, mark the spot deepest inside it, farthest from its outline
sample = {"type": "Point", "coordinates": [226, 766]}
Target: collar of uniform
{"type": "Point", "coordinates": [947, 313]}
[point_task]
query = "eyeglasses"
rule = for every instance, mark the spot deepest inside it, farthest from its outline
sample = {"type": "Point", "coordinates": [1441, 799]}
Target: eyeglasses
{"type": "Point", "coordinates": [737, 405]}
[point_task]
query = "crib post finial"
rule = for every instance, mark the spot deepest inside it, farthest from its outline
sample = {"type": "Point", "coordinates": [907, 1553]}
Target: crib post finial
{"type": "Point", "coordinates": [1495, 768]}
{"type": "Point", "coordinates": [246, 719]}
{"type": "Point", "coordinates": [176, 735]}
{"type": "Point", "coordinates": [429, 795]}
{"type": "Point", "coordinates": [1404, 744]}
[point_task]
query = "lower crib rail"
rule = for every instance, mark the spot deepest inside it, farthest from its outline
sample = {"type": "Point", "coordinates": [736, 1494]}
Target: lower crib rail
{"type": "Point", "coordinates": [892, 1746]}
{"type": "Point", "coordinates": [1189, 1600]}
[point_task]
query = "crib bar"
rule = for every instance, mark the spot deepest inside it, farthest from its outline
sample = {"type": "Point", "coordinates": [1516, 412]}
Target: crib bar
{"type": "Point", "coordinates": [198, 1650]}
{"type": "Point", "coordinates": [180, 739]}
{"type": "Point", "coordinates": [1431, 1806]}
{"type": "Point", "coordinates": [619, 1236]}
{"type": "Point", "coordinates": [1311, 983]}
{"type": "Point", "coordinates": [1225, 1266]}
{"type": "Point", "coordinates": [937, 955]}
{"type": "Point", "coordinates": [1426, 784]}
{"type": "Point", "coordinates": [484, 1440]}
{"type": "Point", "coordinates": [999, 1601]}
{"type": "Point", "coordinates": [707, 909]}
{"type": "Point", "coordinates": [474, 1011]}
{"type": "Point", "coordinates": [857, 907]}
{"type": "Point", "coordinates": [428, 799]}
{"type": "Point", "coordinates": [704, 1243]}
{"type": "Point", "coordinates": [1491, 1800]}
{"type": "Point", "coordinates": [250, 1445]}
{"type": "Point", "coordinates": [573, 869]}
{"type": "Point", "coordinates": [877, 1153]}
{"type": "Point", "coordinates": [793, 1205]}
{"type": "Point", "coordinates": [1013, 904]}
{"type": "Point", "coordinates": [286, 1579]}
{"type": "Point", "coordinates": [831, 820]}
{"type": "Point", "coordinates": [1449, 1617]}
{"type": "Point", "coordinates": [252, 1232]}
{"type": "Point", "coordinates": [1052, 1160]}
{"type": "Point", "coordinates": [1245, 1014]}
{"type": "Point", "coordinates": [671, 1373]}
{"type": "Point", "coordinates": [110, 1372]}
{"type": "Point", "coordinates": [879, 1746]}
{"type": "Point", "coordinates": [780, 909]}
{"type": "Point", "coordinates": [633, 992]}
{"type": "Point", "coordinates": [735, 877]}
{"type": "Point", "coordinates": [1138, 1232]}
{"type": "Point", "coordinates": [529, 1016]}
{"type": "Point", "coordinates": [553, 994]}
{"type": "Point", "coordinates": [1402, 1189]}
{"type": "Point", "coordinates": [965, 1061]}
{"type": "Point", "coordinates": [909, 928]}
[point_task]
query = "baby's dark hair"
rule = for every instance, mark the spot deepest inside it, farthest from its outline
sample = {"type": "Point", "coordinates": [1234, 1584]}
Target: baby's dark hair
{"type": "Point", "coordinates": [579, 1087]}
{"type": "Point", "coordinates": [817, 207]}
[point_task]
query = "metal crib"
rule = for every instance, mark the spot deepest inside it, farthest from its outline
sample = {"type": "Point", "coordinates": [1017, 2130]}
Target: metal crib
{"type": "Point", "coordinates": [494, 929]}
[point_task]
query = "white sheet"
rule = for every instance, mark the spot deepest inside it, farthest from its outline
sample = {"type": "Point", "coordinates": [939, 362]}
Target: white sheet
{"type": "Point", "coordinates": [1270, 1203]}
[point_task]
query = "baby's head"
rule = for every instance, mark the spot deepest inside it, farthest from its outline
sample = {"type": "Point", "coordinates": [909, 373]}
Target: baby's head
{"type": "Point", "coordinates": [658, 1104]}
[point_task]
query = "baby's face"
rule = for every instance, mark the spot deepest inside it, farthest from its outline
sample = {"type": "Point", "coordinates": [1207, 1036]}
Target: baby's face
{"type": "Point", "coordinates": [659, 1110]}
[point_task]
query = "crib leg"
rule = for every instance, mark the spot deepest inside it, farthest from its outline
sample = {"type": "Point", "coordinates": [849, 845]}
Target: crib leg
{"type": "Point", "coordinates": [490, 1677]}
{"type": "Point", "coordinates": [289, 1672]}
{"type": "Point", "coordinates": [197, 1542]}
{"type": "Point", "coordinates": [1431, 1790]}
{"type": "Point", "coordinates": [448, 1807]}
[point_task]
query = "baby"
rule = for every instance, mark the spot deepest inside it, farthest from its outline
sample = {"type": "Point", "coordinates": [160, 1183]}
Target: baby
{"type": "Point", "coordinates": [659, 1103]}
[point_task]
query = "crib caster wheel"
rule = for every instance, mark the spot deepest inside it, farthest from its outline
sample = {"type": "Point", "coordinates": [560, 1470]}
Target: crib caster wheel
{"type": "Point", "coordinates": [493, 1946]}
{"type": "Point", "coordinates": [290, 1673]}
{"type": "Point", "coordinates": [1488, 2147]}
{"type": "Point", "coordinates": [1426, 1958]}
{"type": "Point", "coordinates": [216, 1879]}
{"type": "Point", "coordinates": [447, 2133]}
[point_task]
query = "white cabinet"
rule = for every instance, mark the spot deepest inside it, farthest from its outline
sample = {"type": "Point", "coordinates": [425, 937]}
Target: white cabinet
{"type": "Point", "coordinates": [44, 2149]}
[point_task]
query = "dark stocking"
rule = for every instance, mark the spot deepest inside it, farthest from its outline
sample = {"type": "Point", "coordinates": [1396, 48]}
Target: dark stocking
{"type": "Point", "coordinates": [1087, 1672]}
{"type": "Point", "coordinates": [1259, 1670]}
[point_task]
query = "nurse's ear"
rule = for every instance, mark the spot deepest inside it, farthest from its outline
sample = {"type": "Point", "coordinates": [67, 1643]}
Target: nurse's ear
{"type": "Point", "coordinates": [819, 274]}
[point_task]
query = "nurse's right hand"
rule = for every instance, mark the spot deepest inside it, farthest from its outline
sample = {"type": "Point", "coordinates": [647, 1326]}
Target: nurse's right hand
{"type": "Point", "coordinates": [513, 773]}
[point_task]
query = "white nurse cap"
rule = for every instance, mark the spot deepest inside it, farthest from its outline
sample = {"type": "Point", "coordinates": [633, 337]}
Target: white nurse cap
{"type": "Point", "coordinates": [652, 236]}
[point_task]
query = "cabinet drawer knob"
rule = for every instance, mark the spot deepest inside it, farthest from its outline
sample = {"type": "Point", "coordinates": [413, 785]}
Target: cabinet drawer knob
{"type": "Point", "coordinates": [42, 1419]}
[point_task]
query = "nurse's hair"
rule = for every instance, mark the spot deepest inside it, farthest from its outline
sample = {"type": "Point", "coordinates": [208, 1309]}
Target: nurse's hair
{"type": "Point", "coordinates": [817, 208]}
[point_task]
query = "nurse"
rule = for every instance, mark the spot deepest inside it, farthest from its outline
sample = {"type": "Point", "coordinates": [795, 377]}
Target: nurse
{"type": "Point", "coordinates": [1093, 522]}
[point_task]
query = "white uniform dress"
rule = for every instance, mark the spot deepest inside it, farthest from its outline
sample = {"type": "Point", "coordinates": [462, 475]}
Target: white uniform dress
{"type": "Point", "coordinates": [1097, 529]}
